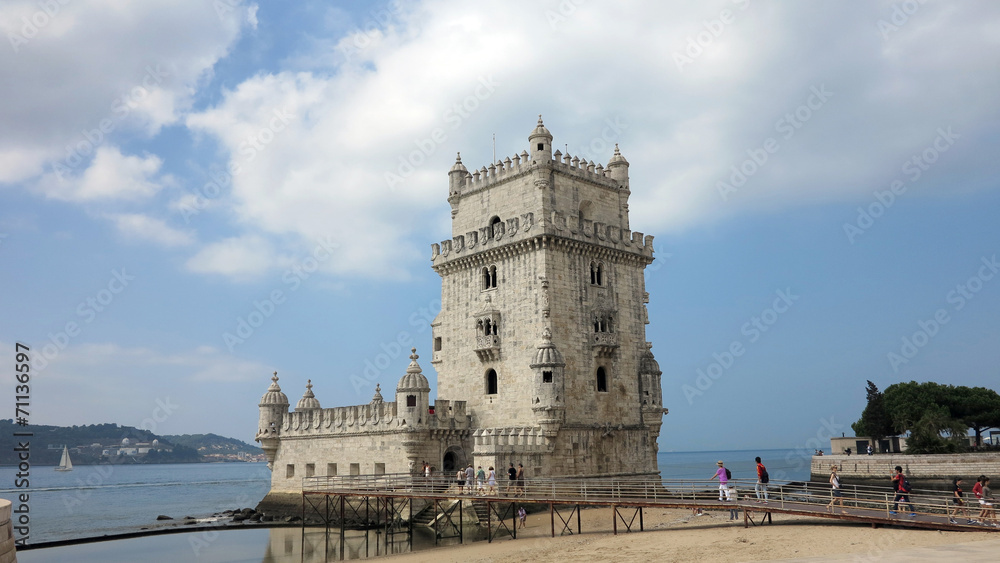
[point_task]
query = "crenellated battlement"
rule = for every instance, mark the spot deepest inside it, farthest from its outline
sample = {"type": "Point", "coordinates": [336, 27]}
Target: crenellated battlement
{"type": "Point", "coordinates": [526, 439]}
{"type": "Point", "coordinates": [524, 227]}
{"type": "Point", "coordinates": [374, 417]}
{"type": "Point", "coordinates": [508, 168]}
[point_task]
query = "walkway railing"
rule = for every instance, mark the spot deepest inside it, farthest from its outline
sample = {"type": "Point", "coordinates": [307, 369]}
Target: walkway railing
{"type": "Point", "coordinates": [926, 508]}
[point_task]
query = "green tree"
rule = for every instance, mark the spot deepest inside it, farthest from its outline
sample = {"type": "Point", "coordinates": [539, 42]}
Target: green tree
{"type": "Point", "coordinates": [875, 420]}
{"type": "Point", "coordinates": [978, 408]}
{"type": "Point", "coordinates": [930, 413]}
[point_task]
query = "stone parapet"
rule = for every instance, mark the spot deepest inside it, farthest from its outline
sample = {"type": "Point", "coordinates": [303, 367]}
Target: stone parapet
{"type": "Point", "coordinates": [7, 549]}
{"type": "Point", "coordinates": [931, 466]}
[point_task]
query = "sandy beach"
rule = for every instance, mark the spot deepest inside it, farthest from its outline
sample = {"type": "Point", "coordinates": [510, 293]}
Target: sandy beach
{"type": "Point", "coordinates": [676, 535]}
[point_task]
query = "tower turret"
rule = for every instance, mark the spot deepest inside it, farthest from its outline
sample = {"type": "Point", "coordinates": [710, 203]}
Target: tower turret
{"type": "Point", "coordinates": [619, 168]}
{"type": "Point", "coordinates": [456, 176]}
{"type": "Point", "coordinates": [548, 404]}
{"type": "Point", "coordinates": [308, 400]}
{"type": "Point", "coordinates": [413, 393]}
{"type": "Point", "coordinates": [273, 408]}
{"type": "Point", "coordinates": [541, 143]}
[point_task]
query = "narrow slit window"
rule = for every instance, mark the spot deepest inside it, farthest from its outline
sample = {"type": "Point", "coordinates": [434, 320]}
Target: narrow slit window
{"type": "Point", "coordinates": [602, 380]}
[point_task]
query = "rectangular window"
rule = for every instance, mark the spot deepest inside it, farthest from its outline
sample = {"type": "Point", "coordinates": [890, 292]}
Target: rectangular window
{"type": "Point", "coordinates": [380, 469]}
{"type": "Point", "coordinates": [546, 377]}
{"type": "Point", "coordinates": [289, 471]}
{"type": "Point", "coordinates": [437, 344]}
{"type": "Point", "coordinates": [411, 400]}
{"type": "Point", "coordinates": [310, 469]}
{"type": "Point", "coordinates": [355, 469]}
{"type": "Point", "coordinates": [331, 469]}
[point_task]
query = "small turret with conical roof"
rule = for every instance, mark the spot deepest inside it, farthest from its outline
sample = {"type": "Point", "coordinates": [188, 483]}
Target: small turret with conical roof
{"type": "Point", "coordinates": [273, 408]}
{"type": "Point", "coordinates": [413, 393]}
{"type": "Point", "coordinates": [549, 402]}
{"type": "Point", "coordinates": [618, 168]}
{"type": "Point", "coordinates": [308, 400]}
{"type": "Point", "coordinates": [541, 143]}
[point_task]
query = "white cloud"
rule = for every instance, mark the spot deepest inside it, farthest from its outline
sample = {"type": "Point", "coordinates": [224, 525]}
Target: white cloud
{"type": "Point", "coordinates": [111, 176]}
{"type": "Point", "coordinates": [239, 257]}
{"type": "Point", "coordinates": [135, 226]}
{"type": "Point", "coordinates": [96, 68]}
{"type": "Point", "coordinates": [386, 89]}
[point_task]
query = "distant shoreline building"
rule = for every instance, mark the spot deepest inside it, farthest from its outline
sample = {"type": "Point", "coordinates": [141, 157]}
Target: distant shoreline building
{"type": "Point", "coordinates": [540, 346]}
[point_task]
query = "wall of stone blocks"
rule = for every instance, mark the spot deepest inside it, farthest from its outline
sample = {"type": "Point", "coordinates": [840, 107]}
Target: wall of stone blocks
{"type": "Point", "coordinates": [932, 466]}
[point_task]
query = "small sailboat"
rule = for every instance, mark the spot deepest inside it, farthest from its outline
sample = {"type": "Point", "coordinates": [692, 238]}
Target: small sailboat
{"type": "Point", "coordinates": [65, 464]}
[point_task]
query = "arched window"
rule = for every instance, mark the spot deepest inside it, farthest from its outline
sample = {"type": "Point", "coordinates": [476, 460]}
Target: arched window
{"type": "Point", "coordinates": [491, 382]}
{"type": "Point", "coordinates": [411, 400]}
{"type": "Point", "coordinates": [596, 273]}
{"type": "Point", "coordinates": [602, 380]}
{"type": "Point", "coordinates": [489, 275]}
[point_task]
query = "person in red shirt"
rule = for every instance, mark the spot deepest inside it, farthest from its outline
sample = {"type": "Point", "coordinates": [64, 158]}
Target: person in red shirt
{"type": "Point", "coordinates": [762, 479]}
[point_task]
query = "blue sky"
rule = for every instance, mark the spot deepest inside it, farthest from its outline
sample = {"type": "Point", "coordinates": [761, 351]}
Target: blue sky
{"type": "Point", "coordinates": [821, 180]}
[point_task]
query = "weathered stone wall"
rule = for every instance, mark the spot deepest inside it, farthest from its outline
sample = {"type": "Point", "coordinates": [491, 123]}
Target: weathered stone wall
{"type": "Point", "coordinates": [7, 551]}
{"type": "Point", "coordinates": [938, 467]}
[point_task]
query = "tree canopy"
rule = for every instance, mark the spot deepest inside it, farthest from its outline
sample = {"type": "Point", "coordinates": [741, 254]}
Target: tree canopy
{"type": "Point", "coordinates": [938, 417]}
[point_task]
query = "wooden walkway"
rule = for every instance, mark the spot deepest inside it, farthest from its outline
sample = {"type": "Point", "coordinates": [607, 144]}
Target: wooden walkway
{"type": "Point", "coordinates": [387, 501]}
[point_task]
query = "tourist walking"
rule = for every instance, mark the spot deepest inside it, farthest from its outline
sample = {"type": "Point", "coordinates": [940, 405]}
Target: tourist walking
{"type": "Point", "coordinates": [762, 480]}
{"type": "Point", "coordinates": [511, 478]}
{"type": "Point", "coordinates": [902, 488]}
{"type": "Point", "coordinates": [977, 491]}
{"type": "Point", "coordinates": [491, 481]}
{"type": "Point", "coordinates": [480, 481]}
{"type": "Point", "coordinates": [722, 474]}
{"type": "Point", "coordinates": [837, 495]}
{"type": "Point", "coordinates": [871, 450]}
{"type": "Point", "coordinates": [958, 503]}
{"type": "Point", "coordinates": [470, 475]}
{"type": "Point", "coordinates": [522, 516]}
{"type": "Point", "coordinates": [460, 478]}
{"type": "Point", "coordinates": [988, 502]}
{"type": "Point", "coordinates": [519, 484]}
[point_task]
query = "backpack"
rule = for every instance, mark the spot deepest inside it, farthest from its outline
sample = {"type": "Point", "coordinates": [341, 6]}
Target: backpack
{"type": "Point", "coordinates": [764, 477]}
{"type": "Point", "coordinates": [904, 485]}
{"type": "Point", "coordinates": [729, 474]}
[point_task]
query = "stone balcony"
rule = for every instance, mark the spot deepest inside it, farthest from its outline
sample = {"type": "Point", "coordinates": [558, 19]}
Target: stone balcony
{"type": "Point", "coordinates": [604, 343]}
{"type": "Point", "coordinates": [488, 348]}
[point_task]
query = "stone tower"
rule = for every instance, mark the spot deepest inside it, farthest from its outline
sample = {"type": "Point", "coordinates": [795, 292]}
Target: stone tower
{"type": "Point", "coordinates": [542, 324]}
{"type": "Point", "coordinates": [273, 407]}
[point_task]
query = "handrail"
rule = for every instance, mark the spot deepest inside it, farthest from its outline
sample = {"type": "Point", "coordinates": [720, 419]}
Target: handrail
{"type": "Point", "coordinates": [863, 501]}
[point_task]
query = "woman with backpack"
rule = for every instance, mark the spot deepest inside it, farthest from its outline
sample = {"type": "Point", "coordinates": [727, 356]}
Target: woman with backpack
{"type": "Point", "coordinates": [723, 474]}
{"type": "Point", "coordinates": [902, 488]}
{"type": "Point", "coordinates": [762, 479]}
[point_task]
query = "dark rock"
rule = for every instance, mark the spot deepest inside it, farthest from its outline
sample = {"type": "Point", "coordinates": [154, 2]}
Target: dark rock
{"type": "Point", "coordinates": [163, 517]}
{"type": "Point", "coordinates": [293, 519]}
{"type": "Point", "coordinates": [190, 518]}
{"type": "Point", "coordinates": [256, 517]}
{"type": "Point", "coordinates": [239, 518]}
{"type": "Point", "coordinates": [267, 518]}
{"type": "Point", "coordinates": [190, 523]}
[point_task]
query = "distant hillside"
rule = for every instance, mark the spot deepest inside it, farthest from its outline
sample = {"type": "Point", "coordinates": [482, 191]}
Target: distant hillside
{"type": "Point", "coordinates": [213, 445]}
{"type": "Point", "coordinates": [99, 443]}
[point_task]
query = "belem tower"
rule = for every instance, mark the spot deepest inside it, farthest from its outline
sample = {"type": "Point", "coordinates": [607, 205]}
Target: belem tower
{"type": "Point", "coordinates": [540, 346]}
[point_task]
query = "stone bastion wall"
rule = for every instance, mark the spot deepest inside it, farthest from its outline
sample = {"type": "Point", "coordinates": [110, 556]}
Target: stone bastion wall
{"type": "Point", "coordinates": [936, 467]}
{"type": "Point", "coordinates": [7, 554]}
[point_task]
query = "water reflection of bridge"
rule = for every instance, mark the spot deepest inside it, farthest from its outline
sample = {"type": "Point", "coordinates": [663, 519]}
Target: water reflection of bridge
{"type": "Point", "coordinates": [394, 504]}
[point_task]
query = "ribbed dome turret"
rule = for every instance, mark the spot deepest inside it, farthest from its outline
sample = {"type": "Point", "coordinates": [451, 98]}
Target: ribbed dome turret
{"type": "Point", "coordinates": [540, 131]}
{"type": "Point", "coordinates": [458, 166]}
{"type": "Point", "coordinates": [308, 400]}
{"type": "Point", "coordinates": [647, 363]}
{"type": "Point", "coordinates": [617, 158]}
{"type": "Point", "coordinates": [274, 396]}
{"type": "Point", "coordinates": [414, 379]}
{"type": "Point", "coordinates": [547, 355]}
